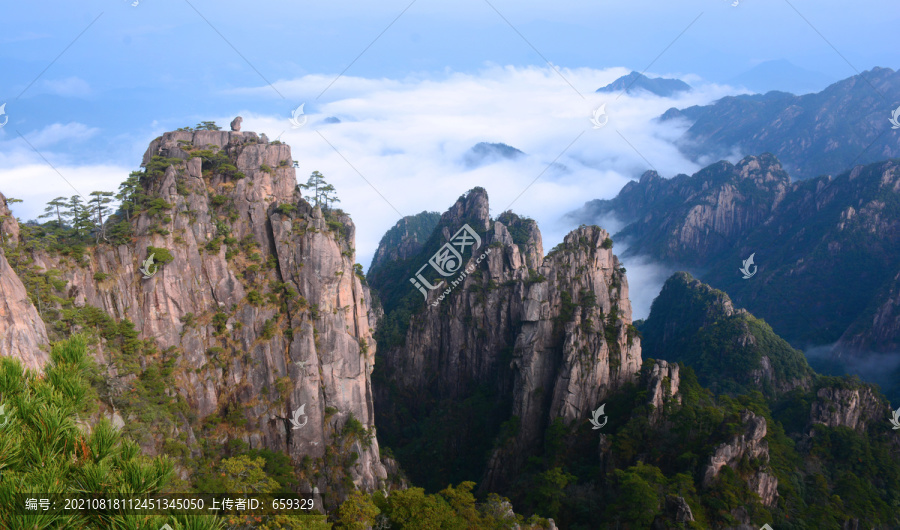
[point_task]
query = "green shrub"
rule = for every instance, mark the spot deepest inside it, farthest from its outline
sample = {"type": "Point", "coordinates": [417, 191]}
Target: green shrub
{"type": "Point", "coordinates": [253, 297]}
{"type": "Point", "coordinates": [268, 330]}
{"type": "Point", "coordinates": [213, 244]}
{"type": "Point", "coordinates": [160, 255]}
{"type": "Point", "coordinates": [286, 209]}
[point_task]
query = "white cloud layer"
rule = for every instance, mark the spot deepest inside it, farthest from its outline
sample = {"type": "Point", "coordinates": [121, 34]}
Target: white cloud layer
{"type": "Point", "coordinates": [407, 139]}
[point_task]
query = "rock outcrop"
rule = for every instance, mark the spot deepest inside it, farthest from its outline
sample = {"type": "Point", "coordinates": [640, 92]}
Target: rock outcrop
{"type": "Point", "coordinates": [848, 407]}
{"type": "Point", "coordinates": [751, 444]}
{"type": "Point", "coordinates": [257, 299]}
{"type": "Point", "coordinates": [22, 332]}
{"type": "Point", "coordinates": [551, 335]}
{"type": "Point", "coordinates": [662, 384]}
{"type": "Point", "coordinates": [676, 510]}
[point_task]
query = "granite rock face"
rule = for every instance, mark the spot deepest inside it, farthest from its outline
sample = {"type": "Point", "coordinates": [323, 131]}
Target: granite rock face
{"type": "Point", "coordinates": [848, 407]}
{"type": "Point", "coordinates": [692, 219]}
{"type": "Point", "coordinates": [260, 302]}
{"type": "Point", "coordinates": [662, 383]}
{"type": "Point", "coordinates": [751, 444]}
{"type": "Point", "coordinates": [552, 334]}
{"type": "Point", "coordinates": [22, 332]}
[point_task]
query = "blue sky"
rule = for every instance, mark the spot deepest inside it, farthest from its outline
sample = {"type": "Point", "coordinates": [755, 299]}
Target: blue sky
{"type": "Point", "coordinates": [88, 84]}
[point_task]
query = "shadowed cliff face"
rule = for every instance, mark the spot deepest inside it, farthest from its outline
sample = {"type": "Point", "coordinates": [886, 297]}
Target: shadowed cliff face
{"type": "Point", "coordinates": [259, 305]}
{"type": "Point", "coordinates": [548, 337]}
{"type": "Point", "coordinates": [825, 247]}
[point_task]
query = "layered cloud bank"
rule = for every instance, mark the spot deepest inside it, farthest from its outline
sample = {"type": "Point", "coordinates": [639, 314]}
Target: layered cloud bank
{"type": "Point", "coordinates": [396, 147]}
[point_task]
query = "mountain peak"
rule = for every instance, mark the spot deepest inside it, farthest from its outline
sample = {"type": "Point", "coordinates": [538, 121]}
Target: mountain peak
{"type": "Point", "coordinates": [635, 82]}
{"type": "Point", "coordinates": [730, 349]}
{"type": "Point", "coordinates": [471, 207]}
{"type": "Point", "coordinates": [484, 153]}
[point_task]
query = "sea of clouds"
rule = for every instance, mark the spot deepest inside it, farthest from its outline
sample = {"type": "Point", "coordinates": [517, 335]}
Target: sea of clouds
{"type": "Point", "coordinates": [400, 145]}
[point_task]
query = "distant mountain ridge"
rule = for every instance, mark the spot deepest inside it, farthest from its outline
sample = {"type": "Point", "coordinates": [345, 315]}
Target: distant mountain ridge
{"type": "Point", "coordinates": [826, 248]}
{"type": "Point", "coordinates": [813, 134]}
{"type": "Point", "coordinates": [636, 82]}
{"type": "Point", "coordinates": [487, 153]}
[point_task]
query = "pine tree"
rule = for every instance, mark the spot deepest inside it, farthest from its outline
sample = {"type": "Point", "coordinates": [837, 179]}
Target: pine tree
{"type": "Point", "coordinates": [207, 126]}
{"type": "Point", "coordinates": [316, 182]}
{"type": "Point", "coordinates": [329, 195]}
{"type": "Point", "coordinates": [53, 208]}
{"type": "Point", "coordinates": [130, 195]}
{"type": "Point", "coordinates": [78, 216]}
{"type": "Point", "coordinates": [99, 209]}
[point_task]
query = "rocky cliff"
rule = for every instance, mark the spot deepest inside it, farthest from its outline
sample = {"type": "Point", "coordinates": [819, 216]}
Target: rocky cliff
{"type": "Point", "coordinates": [402, 242]}
{"type": "Point", "coordinates": [662, 383]}
{"type": "Point", "coordinates": [255, 310]}
{"type": "Point", "coordinates": [751, 445]}
{"type": "Point", "coordinates": [689, 219]}
{"type": "Point", "coordinates": [824, 249]}
{"type": "Point", "coordinates": [854, 407]}
{"type": "Point", "coordinates": [549, 336]}
{"type": "Point", "coordinates": [22, 332]}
